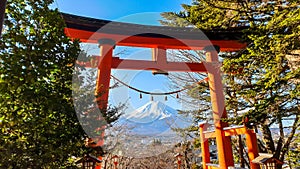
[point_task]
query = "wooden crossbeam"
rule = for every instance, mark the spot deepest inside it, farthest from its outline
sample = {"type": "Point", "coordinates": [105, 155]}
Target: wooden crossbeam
{"type": "Point", "coordinates": [128, 64]}
{"type": "Point", "coordinates": [229, 131]}
{"type": "Point", "coordinates": [125, 34]}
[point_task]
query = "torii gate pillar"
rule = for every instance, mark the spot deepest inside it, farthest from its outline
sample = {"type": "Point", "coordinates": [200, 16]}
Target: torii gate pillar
{"type": "Point", "coordinates": [225, 155]}
{"type": "Point", "coordinates": [103, 79]}
{"type": "Point", "coordinates": [104, 71]}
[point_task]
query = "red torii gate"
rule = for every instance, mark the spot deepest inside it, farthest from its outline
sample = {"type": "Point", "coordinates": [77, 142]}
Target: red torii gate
{"type": "Point", "coordinates": [109, 34]}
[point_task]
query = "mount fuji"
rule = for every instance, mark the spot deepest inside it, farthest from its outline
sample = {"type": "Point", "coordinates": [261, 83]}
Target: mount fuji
{"type": "Point", "coordinates": [147, 131]}
{"type": "Point", "coordinates": [154, 118]}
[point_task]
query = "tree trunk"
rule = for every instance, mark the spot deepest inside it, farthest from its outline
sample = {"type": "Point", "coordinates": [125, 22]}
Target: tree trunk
{"type": "Point", "coordinates": [241, 152]}
{"type": "Point", "coordinates": [267, 137]}
{"type": "Point", "coordinates": [290, 138]}
{"type": "Point", "coordinates": [2, 14]}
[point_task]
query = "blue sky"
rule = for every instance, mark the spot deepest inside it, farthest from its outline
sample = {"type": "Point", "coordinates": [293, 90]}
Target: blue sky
{"type": "Point", "coordinates": [145, 12]}
{"type": "Point", "coordinates": [115, 9]}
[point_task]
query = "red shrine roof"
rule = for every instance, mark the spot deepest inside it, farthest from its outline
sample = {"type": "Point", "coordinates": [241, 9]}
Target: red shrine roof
{"type": "Point", "coordinates": [128, 34]}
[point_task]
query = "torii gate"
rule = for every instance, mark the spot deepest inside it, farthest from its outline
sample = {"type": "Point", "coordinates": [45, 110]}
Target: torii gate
{"type": "Point", "coordinates": [124, 34]}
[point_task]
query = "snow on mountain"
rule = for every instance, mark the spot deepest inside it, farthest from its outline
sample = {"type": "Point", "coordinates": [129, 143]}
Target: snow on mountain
{"type": "Point", "coordinates": [153, 118]}
{"type": "Point", "coordinates": [153, 110]}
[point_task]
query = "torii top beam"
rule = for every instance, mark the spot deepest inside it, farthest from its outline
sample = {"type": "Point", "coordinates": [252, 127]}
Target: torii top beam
{"type": "Point", "coordinates": [90, 30]}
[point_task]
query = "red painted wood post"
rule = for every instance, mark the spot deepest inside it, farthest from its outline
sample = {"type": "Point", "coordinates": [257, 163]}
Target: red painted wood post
{"type": "Point", "coordinates": [252, 146]}
{"type": "Point", "coordinates": [218, 107]}
{"type": "Point", "coordinates": [204, 145]}
{"type": "Point", "coordinates": [159, 55]}
{"type": "Point", "coordinates": [103, 80]}
{"type": "Point", "coordinates": [104, 71]}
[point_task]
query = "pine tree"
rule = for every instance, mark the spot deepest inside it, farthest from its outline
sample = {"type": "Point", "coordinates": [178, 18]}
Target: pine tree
{"type": "Point", "coordinates": [268, 86]}
{"type": "Point", "coordinates": [39, 125]}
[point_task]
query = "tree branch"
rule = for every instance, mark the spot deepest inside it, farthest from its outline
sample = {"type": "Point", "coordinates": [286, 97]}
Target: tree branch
{"type": "Point", "coordinates": [289, 139]}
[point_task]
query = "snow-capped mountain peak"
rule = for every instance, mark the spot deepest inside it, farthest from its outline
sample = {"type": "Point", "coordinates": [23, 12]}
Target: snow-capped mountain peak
{"type": "Point", "coordinates": [152, 111]}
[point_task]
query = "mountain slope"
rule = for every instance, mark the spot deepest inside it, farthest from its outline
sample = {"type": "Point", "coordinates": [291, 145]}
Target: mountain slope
{"type": "Point", "coordinates": [153, 118]}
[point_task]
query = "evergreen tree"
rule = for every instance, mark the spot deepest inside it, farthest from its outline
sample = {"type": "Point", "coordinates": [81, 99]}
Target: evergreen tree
{"type": "Point", "coordinates": [39, 126]}
{"type": "Point", "coordinates": [38, 122]}
{"type": "Point", "coordinates": [294, 153]}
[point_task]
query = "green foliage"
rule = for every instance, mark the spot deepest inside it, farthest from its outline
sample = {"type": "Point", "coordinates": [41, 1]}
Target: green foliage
{"type": "Point", "coordinates": [267, 88]}
{"type": "Point", "coordinates": [294, 153]}
{"type": "Point", "coordinates": [39, 125]}
{"type": "Point", "coordinates": [39, 128]}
